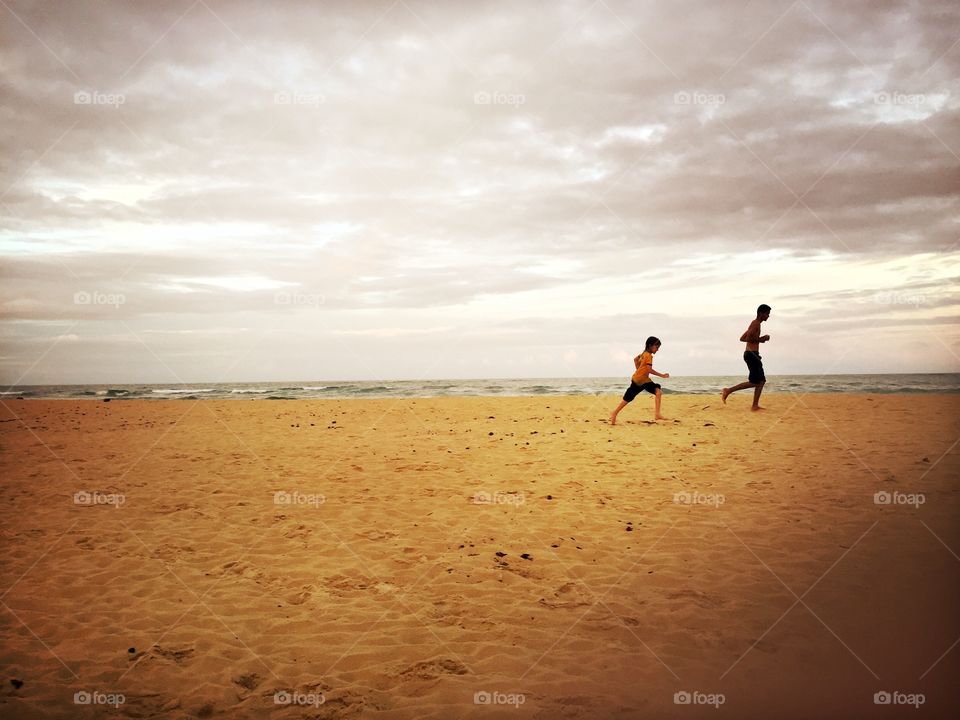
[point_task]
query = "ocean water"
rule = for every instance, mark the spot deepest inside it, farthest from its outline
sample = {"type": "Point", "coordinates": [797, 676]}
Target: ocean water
{"type": "Point", "coordinates": [902, 383]}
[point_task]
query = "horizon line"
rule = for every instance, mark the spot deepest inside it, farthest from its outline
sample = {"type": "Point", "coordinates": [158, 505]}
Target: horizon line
{"type": "Point", "coordinates": [399, 380]}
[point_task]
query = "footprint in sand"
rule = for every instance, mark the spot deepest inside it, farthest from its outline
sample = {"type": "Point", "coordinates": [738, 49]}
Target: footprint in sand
{"type": "Point", "coordinates": [377, 534]}
{"type": "Point", "coordinates": [248, 682]}
{"type": "Point", "coordinates": [300, 532]}
{"type": "Point", "coordinates": [177, 656]}
{"type": "Point", "coordinates": [181, 507]}
{"type": "Point", "coordinates": [703, 600]}
{"type": "Point", "coordinates": [301, 597]}
{"type": "Point", "coordinates": [569, 595]}
{"type": "Point", "coordinates": [345, 586]}
{"type": "Point", "coordinates": [433, 669]}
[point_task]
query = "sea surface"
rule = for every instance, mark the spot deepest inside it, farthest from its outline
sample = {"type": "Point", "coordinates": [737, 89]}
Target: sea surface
{"type": "Point", "coordinates": [927, 383]}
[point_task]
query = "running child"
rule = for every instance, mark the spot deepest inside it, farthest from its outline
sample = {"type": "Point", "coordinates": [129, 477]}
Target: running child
{"type": "Point", "coordinates": [641, 380]}
{"type": "Point", "coordinates": [751, 356]}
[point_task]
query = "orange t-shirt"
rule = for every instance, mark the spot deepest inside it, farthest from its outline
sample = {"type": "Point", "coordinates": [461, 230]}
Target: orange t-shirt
{"type": "Point", "coordinates": [641, 376]}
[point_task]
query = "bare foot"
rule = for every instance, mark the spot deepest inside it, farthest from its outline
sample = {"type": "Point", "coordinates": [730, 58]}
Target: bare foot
{"type": "Point", "coordinates": [613, 419]}
{"type": "Point", "coordinates": [724, 395]}
{"type": "Point", "coordinates": [661, 417]}
{"type": "Point", "coordinates": [757, 407]}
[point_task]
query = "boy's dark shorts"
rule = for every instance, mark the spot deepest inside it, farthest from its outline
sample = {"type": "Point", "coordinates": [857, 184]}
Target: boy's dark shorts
{"type": "Point", "coordinates": [634, 390]}
{"type": "Point", "coordinates": [753, 361]}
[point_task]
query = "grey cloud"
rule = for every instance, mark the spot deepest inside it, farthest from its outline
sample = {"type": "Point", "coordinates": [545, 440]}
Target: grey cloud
{"type": "Point", "coordinates": [389, 163]}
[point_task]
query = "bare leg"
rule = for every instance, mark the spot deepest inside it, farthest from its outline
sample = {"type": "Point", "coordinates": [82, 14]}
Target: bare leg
{"type": "Point", "coordinates": [657, 415]}
{"type": "Point", "coordinates": [742, 386]}
{"type": "Point", "coordinates": [613, 417]}
{"type": "Point", "coordinates": [756, 397]}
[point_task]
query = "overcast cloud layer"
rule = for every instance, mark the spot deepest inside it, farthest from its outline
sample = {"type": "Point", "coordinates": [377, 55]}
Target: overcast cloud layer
{"type": "Point", "coordinates": [206, 191]}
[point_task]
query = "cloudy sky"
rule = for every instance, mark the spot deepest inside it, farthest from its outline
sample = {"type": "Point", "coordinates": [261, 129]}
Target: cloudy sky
{"type": "Point", "coordinates": [224, 191]}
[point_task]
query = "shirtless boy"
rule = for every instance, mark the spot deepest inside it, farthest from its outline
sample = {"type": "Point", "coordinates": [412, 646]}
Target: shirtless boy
{"type": "Point", "coordinates": [751, 356]}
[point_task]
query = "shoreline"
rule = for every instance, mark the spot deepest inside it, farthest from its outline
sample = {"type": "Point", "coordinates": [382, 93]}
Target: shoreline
{"type": "Point", "coordinates": [667, 392]}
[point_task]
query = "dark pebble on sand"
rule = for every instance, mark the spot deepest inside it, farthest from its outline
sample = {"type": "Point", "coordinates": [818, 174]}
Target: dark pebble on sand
{"type": "Point", "coordinates": [694, 444]}
{"type": "Point", "coordinates": [526, 556]}
{"type": "Point", "coordinates": [500, 554]}
{"type": "Point", "coordinates": [106, 399]}
{"type": "Point", "coordinates": [131, 650]}
{"type": "Point", "coordinates": [709, 425]}
{"type": "Point", "coordinates": [926, 460]}
{"type": "Point", "coordinates": [549, 497]}
{"type": "Point", "coordinates": [629, 529]}
{"type": "Point", "coordinates": [489, 433]}
{"type": "Point", "coordinates": [16, 683]}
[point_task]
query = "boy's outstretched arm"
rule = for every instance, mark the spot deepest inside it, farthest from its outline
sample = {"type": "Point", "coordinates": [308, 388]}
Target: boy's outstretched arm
{"type": "Point", "coordinates": [658, 374]}
{"type": "Point", "coordinates": [648, 369]}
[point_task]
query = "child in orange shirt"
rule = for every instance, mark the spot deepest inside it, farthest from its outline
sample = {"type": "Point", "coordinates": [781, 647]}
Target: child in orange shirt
{"type": "Point", "coordinates": [641, 380]}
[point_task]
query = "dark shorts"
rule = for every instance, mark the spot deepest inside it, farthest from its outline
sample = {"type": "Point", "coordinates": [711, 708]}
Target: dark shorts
{"type": "Point", "coordinates": [634, 390]}
{"type": "Point", "coordinates": [753, 361]}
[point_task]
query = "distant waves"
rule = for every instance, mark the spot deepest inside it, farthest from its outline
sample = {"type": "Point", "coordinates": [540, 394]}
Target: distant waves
{"type": "Point", "coordinates": [919, 383]}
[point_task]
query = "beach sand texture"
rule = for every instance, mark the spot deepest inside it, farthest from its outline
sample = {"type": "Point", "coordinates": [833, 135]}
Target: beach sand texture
{"type": "Point", "coordinates": [395, 558]}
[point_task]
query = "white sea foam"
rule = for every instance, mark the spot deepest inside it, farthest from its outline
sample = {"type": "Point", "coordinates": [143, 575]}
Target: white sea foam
{"type": "Point", "coordinates": [187, 391]}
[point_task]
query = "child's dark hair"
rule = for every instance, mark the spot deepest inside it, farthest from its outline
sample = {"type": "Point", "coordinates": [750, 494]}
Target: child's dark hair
{"type": "Point", "coordinates": [651, 341]}
{"type": "Point", "coordinates": [763, 309]}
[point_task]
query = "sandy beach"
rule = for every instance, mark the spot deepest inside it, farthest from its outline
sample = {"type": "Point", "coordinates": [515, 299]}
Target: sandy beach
{"type": "Point", "coordinates": [481, 558]}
